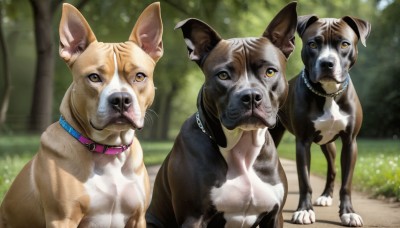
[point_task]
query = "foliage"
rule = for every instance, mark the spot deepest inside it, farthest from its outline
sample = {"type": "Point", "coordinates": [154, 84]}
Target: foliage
{"type": "Point", "coordinates": [377, 75]}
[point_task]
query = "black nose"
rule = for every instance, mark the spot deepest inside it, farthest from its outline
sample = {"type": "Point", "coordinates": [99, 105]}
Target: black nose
{"type": "Point", "coordinates": [327, 64]}
{"type": "Point", "coordinates": [120, 101]}
{"type": "Point", "coordinates": [251, 97]}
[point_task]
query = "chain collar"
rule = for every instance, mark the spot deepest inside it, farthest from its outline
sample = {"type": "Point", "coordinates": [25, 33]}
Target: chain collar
{"type": "Point", "coordinates": [201, 125]}
{"type": "Point", "coordinates": [309, 86]}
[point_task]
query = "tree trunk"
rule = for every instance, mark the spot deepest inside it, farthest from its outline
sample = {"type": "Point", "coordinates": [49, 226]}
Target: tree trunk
{"type": "Point", "coordinates": [42, 101]}
{"type": "Point", "coordinates": [5, 98]}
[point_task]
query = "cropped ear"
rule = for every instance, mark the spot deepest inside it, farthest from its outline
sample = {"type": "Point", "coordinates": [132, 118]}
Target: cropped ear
{"type": "Point", "coordinates": [282, 28]}
{"type": "Point", "coordinates": [304, 21]}
{"type": "Point", "coordinates": [361, 28]}
{"type": "Point", "coordinates": [75, 34]}
{"type": "Point", "coordinates": [199, 37]}
{"type": "Point", "coordinates": [148, 30]}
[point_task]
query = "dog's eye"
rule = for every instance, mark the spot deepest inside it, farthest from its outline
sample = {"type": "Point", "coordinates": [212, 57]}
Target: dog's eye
{"type": "Point", "coordinates": [223, 75]}
{"type": "Point", "coordinates": [140, 77]}
{"type": "Point", "coordinates": [312, 45]}
{"type": "Point", "coordinates": [94, 78]}
{"type": "Point", "coordinates": [344, 45]}
{"type": "Point", "coordinates": [270, 72]}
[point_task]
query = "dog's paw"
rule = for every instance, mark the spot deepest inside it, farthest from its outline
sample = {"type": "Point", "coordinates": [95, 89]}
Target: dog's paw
{"type": "Point", "coordinates": [351, 219]}
{"type": "Point", "coordinates": [304, 217]}
{"type": "Point", "coordinates": [324, 201]}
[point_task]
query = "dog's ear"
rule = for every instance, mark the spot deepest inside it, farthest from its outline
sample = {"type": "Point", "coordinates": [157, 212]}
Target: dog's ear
{"type": "Point", "coordinates": [282, 29]}
{"type": "Point", "coordinates": [75, 34]}
{"type": "Point", "coordinates": [148, 30]}
{"type": "Point", "coordinates": [199, 37]}
{"type": "Point", "coordinates": [361, 28]}
{"type": "Point", "coordinates": [304, 21]}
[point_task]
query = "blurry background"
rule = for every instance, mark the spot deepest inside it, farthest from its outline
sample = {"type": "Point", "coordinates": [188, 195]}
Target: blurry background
{"type": "Point", "coordinates": [33, 78]}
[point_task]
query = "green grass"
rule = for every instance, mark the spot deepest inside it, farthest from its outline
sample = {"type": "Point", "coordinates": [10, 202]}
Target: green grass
{"type": "Point", "coordinates": [377, 171]}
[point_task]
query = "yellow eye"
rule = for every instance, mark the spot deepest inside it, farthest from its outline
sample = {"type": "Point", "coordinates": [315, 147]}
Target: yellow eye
{"type": "Point", "coordinates": [140, 77]}
{"type": "Point", "coordinates": [223, 75]}
{"type": "Point", "coordinates": [344, 45]}
{"type": "Point", "coordinates": [270, 72]}
{"type": "Point", "coordinates": [312, 45]}
{"type": "Point", "coordinates": [94, 78]}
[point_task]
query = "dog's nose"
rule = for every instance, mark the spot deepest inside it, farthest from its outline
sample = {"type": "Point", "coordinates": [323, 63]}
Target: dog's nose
{"type": "Point", "coordinates": [251, 98]}
{"type": "Point", "coordinates": [120, 101]}
{"type": "Point", "coordinates": [327, 63]}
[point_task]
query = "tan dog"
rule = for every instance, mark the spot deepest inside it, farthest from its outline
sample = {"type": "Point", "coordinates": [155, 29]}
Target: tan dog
{"type": "Point", "coordinates": [89, 170]}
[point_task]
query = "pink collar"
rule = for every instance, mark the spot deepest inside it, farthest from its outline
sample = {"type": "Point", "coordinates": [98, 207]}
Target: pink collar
{"type": "Point", "coordinates": [90, 144]}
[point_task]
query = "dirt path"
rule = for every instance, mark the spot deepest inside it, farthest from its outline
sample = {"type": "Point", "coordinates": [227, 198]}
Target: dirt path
{"type": "Point", "coordinates": [375, 213]}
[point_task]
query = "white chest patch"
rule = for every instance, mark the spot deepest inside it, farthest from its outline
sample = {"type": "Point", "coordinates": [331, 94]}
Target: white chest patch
{"type": "Point", "coordinates": [244, 195]}
{"type": "Point", "coordinates": [113, 194]}
{"type": "Point", "coordinates": [331, 122]}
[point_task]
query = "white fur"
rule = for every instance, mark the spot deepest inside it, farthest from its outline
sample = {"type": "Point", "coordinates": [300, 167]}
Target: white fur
{"type": "Point", "coordinates": [304, 217]}
{"type": "Point", "coordinates": [112, 192]}
{"type": "Point", "coordinates": [331, 122]}
{"type": "Point", "coordinates": [323, 201]}
{"type": "Point", "coordinates": [244, 195]}
{"type": "Point", "coordinates": [351, 219]}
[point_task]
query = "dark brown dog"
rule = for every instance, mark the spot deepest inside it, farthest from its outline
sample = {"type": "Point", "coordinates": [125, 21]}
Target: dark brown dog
{"type": "Point", "coordinates": [224, 169]}
{"type": "Point", "coordinates": [323, 105]}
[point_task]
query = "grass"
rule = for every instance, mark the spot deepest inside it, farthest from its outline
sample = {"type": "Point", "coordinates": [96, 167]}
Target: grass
{"type": "Point", "coordinates": [377, 170]}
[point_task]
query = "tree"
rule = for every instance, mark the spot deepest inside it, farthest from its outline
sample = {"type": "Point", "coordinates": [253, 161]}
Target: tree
{"type": "Point", "coordinates": [43, 11]}
{"type": "Point", "coordinates": [5, 98]}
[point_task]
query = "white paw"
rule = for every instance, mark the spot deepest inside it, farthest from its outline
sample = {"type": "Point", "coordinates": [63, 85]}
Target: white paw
{"type": "Point", "coordinates": [324, 201]}
{"type": "Point", "coordinates": [351, 219]}
{"type": "Point", "coordinates": [303, 217]}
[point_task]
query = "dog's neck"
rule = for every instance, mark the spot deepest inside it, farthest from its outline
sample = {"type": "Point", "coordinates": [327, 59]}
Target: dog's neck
{"type": "Point", "coordinates": [210, 121]}
{"type": "Point", "coordinates": [243, 147]}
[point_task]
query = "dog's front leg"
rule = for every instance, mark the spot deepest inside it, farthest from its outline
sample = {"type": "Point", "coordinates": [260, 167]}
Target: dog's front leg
{"type": "Point", "coordinates": [348, 160]}
{"type": "Point", "coordinates": [329, 151]}
{"type": "Point", "coordinates": [304, 213]}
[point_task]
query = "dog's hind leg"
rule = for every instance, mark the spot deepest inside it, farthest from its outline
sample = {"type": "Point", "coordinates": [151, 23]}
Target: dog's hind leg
{"type": "Point", "coordinates": [329, 151]}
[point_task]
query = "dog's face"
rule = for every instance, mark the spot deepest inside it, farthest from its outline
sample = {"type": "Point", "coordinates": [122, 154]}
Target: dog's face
{"type": "Point", "coordinates": [244, 77]}
{"type": "Point", "coordinates": [245, 82]}
{"type": "Point", "coordinates": [112, 82]}
{"type": "Point", "coordinates": [330, 46]}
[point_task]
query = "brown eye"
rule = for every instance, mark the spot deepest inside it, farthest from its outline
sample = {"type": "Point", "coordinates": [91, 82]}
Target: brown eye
{"type": "Point", "coordinates": [344, 45]}
{"type": "Point", "coordinates": [270, 72]}
{"type": "Point", "coordinates": [223, 75]}
{"type": "Point", "coordinates": [140, 77]}
{"type": "Point", "coordinates": [312, 45]}
{"type": "Point", "coordinates": [94, 78]}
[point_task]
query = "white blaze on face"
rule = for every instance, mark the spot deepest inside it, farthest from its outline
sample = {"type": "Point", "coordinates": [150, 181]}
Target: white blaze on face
{"type": "Point", "coordinates": [328, 53]}
{"type": "Point", "coordinates": [105, 110]}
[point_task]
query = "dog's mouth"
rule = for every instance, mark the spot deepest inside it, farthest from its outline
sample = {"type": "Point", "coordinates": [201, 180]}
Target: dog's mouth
{"type": "Point", "coordinates": [121, 122]}
{"type": "Point", "coordinates": [248, 120]}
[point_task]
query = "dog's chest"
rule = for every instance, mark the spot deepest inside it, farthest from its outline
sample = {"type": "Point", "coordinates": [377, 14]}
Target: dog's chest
{"type": "Point", "coordinates": [244, 196]}
{"type": "Point", "coordinates": [331, 122]}
{"type": "Point", "coordinates": [114, 194]}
